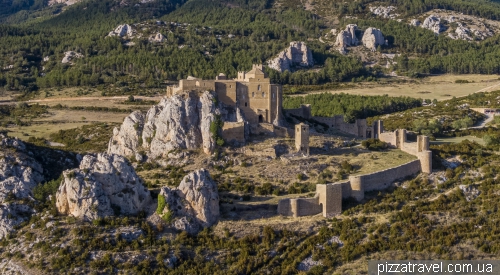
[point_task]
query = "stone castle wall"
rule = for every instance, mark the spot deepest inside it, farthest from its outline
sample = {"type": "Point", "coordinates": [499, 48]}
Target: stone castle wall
{"type": "Point", "coordinates": [233, 131]}
{"type": "Point", "coordinates": [328, 199]}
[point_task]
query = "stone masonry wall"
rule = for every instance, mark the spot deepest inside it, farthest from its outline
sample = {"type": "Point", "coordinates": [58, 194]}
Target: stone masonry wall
{"type": "Point", "coordinates": [233, 131]}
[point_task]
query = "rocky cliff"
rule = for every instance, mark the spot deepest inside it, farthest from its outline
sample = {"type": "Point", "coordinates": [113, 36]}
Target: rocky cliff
{"type": "Point", "coordinates": [194, 204]}
{"type": "Point", "coordinates": [347, 38]}
{"type": "Point", "coordinates": [103, 185]}
{"type": "Point", "coordinates": [19, 174]}
{"type": "Point", "coordinates": [178, 122]}
{"type": "Point", "coordinates": [297, 54]}
{"type": "Point", "coordinates": [373, 38]}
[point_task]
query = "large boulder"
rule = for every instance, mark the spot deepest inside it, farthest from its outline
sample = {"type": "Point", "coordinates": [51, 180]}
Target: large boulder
{"type": "Point", "coordinates": [103, 185]}
{"type": "Point", "coordinates": [433, 23]}
{"type": "Point", "coordinates": [181, 121]}
{"type": "Point", "coordinates": [122, 31]}
{"type": "Point", "coordinates": [194, 204]}
{"type": "Point", "coordinates": [373, 38]}
{"type": "Point", "coordinates": [297, 54]}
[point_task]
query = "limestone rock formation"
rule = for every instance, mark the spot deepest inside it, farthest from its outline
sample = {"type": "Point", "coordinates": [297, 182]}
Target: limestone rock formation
{"type": "Point", "coordinates": [433, 23]}
{"type": "Point", "coordinates": [19, 174]}
{"type": "Point", "coordinates": [181, 121]}
{"type": "Point", "coordinates": [122, 31]}
{"type": "Point", "coordinates": [157, 38]}
{"type": "Point", "coordinates": [103, 185]}
{"type": "Point", "coordinates": [461, 32]}
{"type": "Point", "coordinates": [11, 215]}
{"type": "Point", "coordinates": [385, 12]}
{"type": "Point", "coordinates": [69, 56]}
{"type": "Point", "coordinates": [347, 38]}
{"type": "Point", "coordinates": [297, 54]}
{"type": "Point", "coordinates": [415, 22]}
{"type": "Point", "coordinates": [194, 204]}
{"type": "Point", "coordinates": [373, 38]}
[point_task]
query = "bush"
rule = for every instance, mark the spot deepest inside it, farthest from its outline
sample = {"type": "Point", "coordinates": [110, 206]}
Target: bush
{"type": "Point", "coordinates": [374, 144]}
{"type": "Point", "coordinates": [161, 204]}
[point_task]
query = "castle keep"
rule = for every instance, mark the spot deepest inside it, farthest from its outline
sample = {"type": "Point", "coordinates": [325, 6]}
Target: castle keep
{"type": "Point", "coordinates": [252, 93]}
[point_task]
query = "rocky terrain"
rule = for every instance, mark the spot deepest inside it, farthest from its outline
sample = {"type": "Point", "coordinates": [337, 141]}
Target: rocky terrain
{"type": "Point", "coordinates": [297, 54]}
{"type": "Point", "coordinates": [19, 174]}
{"type": "Point", "coordinates": [372, 38]}
{"type": "Point", "coordinates": [193, 205]}
{"type": "Point", "coordinates": [104, 185]}
{"type": "Point", "coordinates": [123, 31]}
{"type": "Point", "coordinates": [70, 56]}
{"type": "Point", "coordinates": [178, 122]}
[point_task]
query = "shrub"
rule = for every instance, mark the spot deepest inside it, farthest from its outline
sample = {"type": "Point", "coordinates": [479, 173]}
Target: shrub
{"type": "Point", "coordinates": [161, 204]}
{"type": "Point", "coordinates": [374, 144]}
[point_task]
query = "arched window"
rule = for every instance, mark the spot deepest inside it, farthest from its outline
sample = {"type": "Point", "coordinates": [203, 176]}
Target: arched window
{"type": "Point", "coordinates": [263, 94]}
{"type": "Point", "coordinates": [253, 94]}
{"type": "Point", "coordinates": [258, 87]}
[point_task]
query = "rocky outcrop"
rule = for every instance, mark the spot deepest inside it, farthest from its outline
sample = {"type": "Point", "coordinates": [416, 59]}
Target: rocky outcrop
{"type": "Point", "coordinates": [433, 23]}
{"type": "Point", "coordinates": [470, 192]}
{"type": "Point", "coordinates": [297, 54]}
{"type": "Point", "coordinates": [103, 185]}
{"type": "Point", "coordinates": [194, 204]}
{"type": "Point", "coordinates": [158, 38]}
{"type": "Point", "coordinates": [19, 174]}
{"type": "Point", "coordinates": [122, 31]}
{"type": "Point", "coordinates": [70, 56]}
{"type": "Point", "coordinates": [415, 22]}
{"type": "Point", "coordinates": [347, 38]}
{"type": "Point", "coordinates": [384, 12]}
{"type": "Point", "coordinates": [373, 38]}
{"type": "Point", "coordinates": [181, 121]}
{"type": "Point", "coordinates": [461, 32]}
{"type": "Point", "coordinates": [11, 215]}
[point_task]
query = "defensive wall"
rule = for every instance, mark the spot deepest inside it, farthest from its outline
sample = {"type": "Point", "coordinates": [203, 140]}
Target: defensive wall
{"type": "Point", "coordinates": [328, 198]}
{"type": "Point", "coordinates": [359, 128]}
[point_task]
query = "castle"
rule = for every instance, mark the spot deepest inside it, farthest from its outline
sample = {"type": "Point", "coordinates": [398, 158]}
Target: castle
{"type": "Point", "coordinates": [328, 198]}
{"type": "Point", "coordinates": [252, 93]}
{"type": "Point", "coordinates": [258, 104]}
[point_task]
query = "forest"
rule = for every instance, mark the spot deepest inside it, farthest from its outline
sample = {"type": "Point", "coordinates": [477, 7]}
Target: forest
{"type": "Point", "coordinates": [351, 106]}
{"type": "Point", "coordinates": [260, 28]}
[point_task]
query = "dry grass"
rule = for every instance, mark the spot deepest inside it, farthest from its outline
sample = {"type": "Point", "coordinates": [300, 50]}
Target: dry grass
{"type": "Point", "coordinates": [457, 140]}
{"type": "Point", "coordinates": [62, 120]}
{"type": "Point", "coordinates": [435, 87]}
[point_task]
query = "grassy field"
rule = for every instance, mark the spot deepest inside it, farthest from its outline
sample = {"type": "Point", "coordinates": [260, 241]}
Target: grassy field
{"type": "Point", "coordinates": [434, 87]}
{"type": "Point", "coordinates": [62, 120]}
{"type": "Point", "coordinates": [457, 140]}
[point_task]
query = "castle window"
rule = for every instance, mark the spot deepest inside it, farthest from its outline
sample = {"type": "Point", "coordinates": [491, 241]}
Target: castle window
{"type": "Point", "coordinates": [253, 94]}
{"type": "Point", "coordinates": [246, 104]}
{"type": "Point", "coordinates": [258, 87]}
{"type": "Point", "coordinates": [263, 94]}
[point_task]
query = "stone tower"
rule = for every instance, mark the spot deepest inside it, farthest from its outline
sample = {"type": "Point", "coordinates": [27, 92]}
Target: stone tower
{"type": "Point", "coordinates": [302, 138]}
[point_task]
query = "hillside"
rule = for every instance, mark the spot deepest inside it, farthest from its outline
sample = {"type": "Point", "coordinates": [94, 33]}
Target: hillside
{"type": "Point", "coordinates": [203, 39]}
